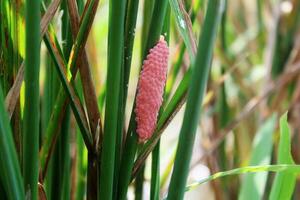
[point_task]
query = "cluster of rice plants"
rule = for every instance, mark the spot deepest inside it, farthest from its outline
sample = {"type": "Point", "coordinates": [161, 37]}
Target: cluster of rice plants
{"type": "Point", "coordinates": [149, 99]}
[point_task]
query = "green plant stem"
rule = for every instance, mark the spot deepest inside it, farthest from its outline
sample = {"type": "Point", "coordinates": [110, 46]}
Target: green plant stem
{"type": "Point", "coordinates": [126, 164]}
{"type": "Point", "coordinates": [154, 190]}
{"type": "Point", "coordinates": [81, 168]}
{"type": "Point", "coordinates": [31, 108]}
{"type": "Point", "coordinates": [115, 55]}
{"type": "Point", "coordinates": [139, 184]}
{"type": "Point", "coordinates": [195, 95]}
{"type": "Point", "coordinates": [130, 25]}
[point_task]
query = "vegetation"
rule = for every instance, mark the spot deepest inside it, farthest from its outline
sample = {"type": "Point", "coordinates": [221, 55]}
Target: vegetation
{"type": "Point", "coordinates": [69, 72]}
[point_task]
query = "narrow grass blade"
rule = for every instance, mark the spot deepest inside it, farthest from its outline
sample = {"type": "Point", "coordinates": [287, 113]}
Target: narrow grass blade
{"type": "Point", "coordinates": [155, 175]}
{"type": "Point", "coordinates": [284, 182]}
{"type": "Point", "coordinates": [81, 167]}
{"type": "Point", "coordinates": [184, 26]}
{"type": "Point", "coordinates": [51, 88]}
{"type": "Point", "coordinates": [115, 55]}
{"type": "Point", "coordinates": [147, 16]}
{"type": "Point", "coordinates": [31, 108]}
{"type": "Point", "coordinates": [139, 184]}
{"type": "Point", "coordinates": [196, 92]}
{"type": "Point", "coordinates": [253, 185]}
{"type": "Point", "coordinates": [10, 177]}
{"type": "Point", "coordinates": [281, 168]}
{"type": "Point", "coordinates": [63, 143]}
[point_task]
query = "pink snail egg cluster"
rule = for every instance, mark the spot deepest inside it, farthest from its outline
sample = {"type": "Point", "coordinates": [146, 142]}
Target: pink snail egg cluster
{"type": "Point", "coordinates": [150, 89]}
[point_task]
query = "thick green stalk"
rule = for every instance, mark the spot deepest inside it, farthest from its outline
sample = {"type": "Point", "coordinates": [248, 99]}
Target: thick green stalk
{"type": "Point", "coordinates": [115, 57]}
{"type": "Point", "coordinates": [154, 190]}
{"type": "Point", "coordinates": [156, 25]}
{"type": "Point", "coordinates": [129, 35]}
{"type": "Point", "coordinates": [31, 108]}
{"type": "Point", "coordinates": [10, 178]}
{"type": "Point", "coordinates": [81, 168]}
{"type": "Point", "coordinates": [139, 184]}
{"type": "Point", "coordinates": [51, 87]}
{"type": "Point", "coordinates": [194, 100]}
{"type": "Point", "coordinates": [126, 164]}
{"type": "Point", "coordinates": [147, 16]}
{"type": "Point", "coordinates": [63, 145]}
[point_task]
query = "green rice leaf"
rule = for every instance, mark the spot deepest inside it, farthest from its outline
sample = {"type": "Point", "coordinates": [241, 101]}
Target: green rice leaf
{"type": "Point", "coordinates": [284, 182]}
{"type": "Point", "coordinates": [253, 185]}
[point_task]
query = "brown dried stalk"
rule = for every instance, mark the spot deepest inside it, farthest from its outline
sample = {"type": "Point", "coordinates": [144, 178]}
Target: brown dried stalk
{"type": "Point", "coordinates": [85, 73]}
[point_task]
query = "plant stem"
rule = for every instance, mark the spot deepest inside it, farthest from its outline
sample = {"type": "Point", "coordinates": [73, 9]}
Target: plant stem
{"type": "Point", "coordinates": [154, 190]}
{"type": "Point", "coordinates": [115, 57]}
{"type": "Point", "coordinates": [31, 109]}
{"type": "Point", "coordinates": [194, 100]}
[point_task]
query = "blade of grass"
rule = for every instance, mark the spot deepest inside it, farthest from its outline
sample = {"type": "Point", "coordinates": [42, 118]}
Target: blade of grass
{"type": "Point", "coordinates": [284, 182]}
{"type": "Point", "coordinates": [51, 88]}
{"type": "Point", "coordinates": [253, 185]}
{"type": "Point", "coordinates": [249, 169]}
{"type": "Point", "coordinates": [31, 108]}
{"type": "Point", "coordinates": [115, 55]}
{"type": "Point", "coordinates": [196, 92]}
{"type": "Point", "coordinates": [63, 144]}
{"type": "Point", "coordinates": [11, 178]}
{"type": "Point", "coordinates": [147, 16]}
{"type": "Point", "coordinates": [81, 168]}
{"type": "Point", "coordinates": [139, 184]}
{"type": "Point", "coordinates": [154, 189]}
{"type": "Point", "coordinates": [184, 26]}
